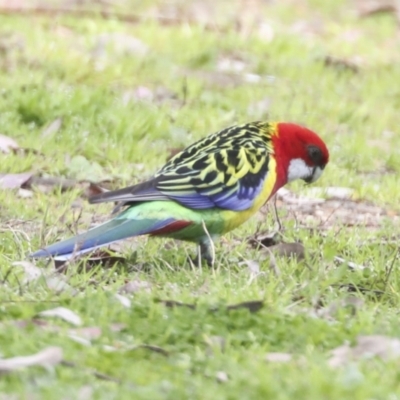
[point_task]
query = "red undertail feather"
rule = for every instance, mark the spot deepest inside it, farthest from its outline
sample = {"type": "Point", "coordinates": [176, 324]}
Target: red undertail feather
{"type": "Point", "coordinates": [172, 227]}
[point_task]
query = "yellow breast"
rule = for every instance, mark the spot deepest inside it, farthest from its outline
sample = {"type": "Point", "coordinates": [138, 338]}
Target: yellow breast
{"type": "Point", "coordinates": [235, 218]}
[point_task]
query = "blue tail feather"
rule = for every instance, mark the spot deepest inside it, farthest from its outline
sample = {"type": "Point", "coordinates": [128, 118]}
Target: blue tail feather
{"type": "Point", "coordinates": [109, 232]}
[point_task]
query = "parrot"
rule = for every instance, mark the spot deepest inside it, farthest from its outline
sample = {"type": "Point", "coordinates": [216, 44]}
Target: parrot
{"type": "Point", "coordinates": [206, 190]}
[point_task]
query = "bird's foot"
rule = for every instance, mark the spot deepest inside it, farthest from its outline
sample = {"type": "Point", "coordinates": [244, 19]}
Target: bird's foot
{"type": "Point", "coordinates": [204, 253]}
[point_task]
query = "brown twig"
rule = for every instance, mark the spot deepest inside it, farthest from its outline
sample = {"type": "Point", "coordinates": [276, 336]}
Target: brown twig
{"type": "Point", "coordinates": [95, 373]}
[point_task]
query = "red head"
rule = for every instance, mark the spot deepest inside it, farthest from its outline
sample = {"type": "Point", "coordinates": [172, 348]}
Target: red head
{"type": "Point", "coordinates": [300, 153]}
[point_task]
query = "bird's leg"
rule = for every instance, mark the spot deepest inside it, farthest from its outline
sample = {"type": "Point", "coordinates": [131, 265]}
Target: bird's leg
{"type": "Point", "coordinates": [204, 252]}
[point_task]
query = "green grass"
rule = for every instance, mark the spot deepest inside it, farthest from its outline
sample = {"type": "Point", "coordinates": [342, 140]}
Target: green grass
{"type": "Point", "coordinates": [56, 67]}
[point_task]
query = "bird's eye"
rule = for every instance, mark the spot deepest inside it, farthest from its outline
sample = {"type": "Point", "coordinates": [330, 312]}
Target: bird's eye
{"type": "Point", "coordinates": [315, 154]}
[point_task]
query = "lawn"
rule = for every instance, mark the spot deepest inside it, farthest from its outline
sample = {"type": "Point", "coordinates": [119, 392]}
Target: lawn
{"type": "Point", "coordinates": [105, 93]}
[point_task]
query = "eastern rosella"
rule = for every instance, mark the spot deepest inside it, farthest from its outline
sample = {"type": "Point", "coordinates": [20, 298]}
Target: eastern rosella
{"type": "Point", "coordinates": [208, 189]}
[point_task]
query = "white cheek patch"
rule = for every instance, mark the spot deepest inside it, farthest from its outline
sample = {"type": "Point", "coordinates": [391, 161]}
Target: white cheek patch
{"type": "Point", "coordinates": [298, 169]}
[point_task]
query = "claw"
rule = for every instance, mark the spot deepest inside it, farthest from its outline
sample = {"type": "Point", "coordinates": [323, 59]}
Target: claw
{"type": "Point", "coordinates": [203, 253]}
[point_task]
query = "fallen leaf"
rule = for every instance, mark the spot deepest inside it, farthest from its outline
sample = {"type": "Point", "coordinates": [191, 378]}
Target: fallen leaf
{"type": "Point", "coordinates": [143, 93]}
{"type": "Point", "coordinates": [252, 306]}
{"type": "Point", "coordinates": [85, 393]}
{"type": "Point", "coordinates": [222, 377]}
{"type": "Point", "coordinates": [265, 239]}
{"type": "Point", "coordinates": [266, 32]}
{"type": "Point", "coordinates": [151, 347]}
{"type": "Point", "coordinates": [80, 340]}
{"type": "Point", "coordinates": [215, 343]}
{"type": "Point", "coordinates": [341, 64]}
{"type": "Point", "coordinates": [288, 250]}
{"type": "Point", "coordinates": [278, 357]}
{"type": "Point", "coordinates": [8, 145]}
{"type": "Point", "coordinates": [81, 169]}
{"type": "Point", "coordinates": [273, 265]}
{"type": "Point", "coordinates": [350, 264]}
{"type": "Point", "coordinates": [46, 358]}
{"type": "Point", "coordinates": [173, 303]}
{"type": "Point", "coordinates": [252, 265]}
{"type": "Point", "coordinates": [25, 193]}
{"type": "Point", "coordinates": [229, 64]}
{"type": "Point", "coordinates": [94, 372]}
{"type": "Point", "coordinates": [330, 311]}
{"type": "Point", "coordinates": [290, 198]}
{"type": "Point", "coordinates": [103, 258]}
{"type": "Point", "coordinates": [52, 128]}
{"type": "Point", "coordinates": [121, 43]}
{"type": "Point", "coordinates": [333, 192]}
{"type": "Point", "coordinates": [88, 333]}
{"type": "Point", "coordinates": [58, 284]}
{"type": "Point", "coordinates": [371, 7]}
{"type": "Point", "coordinates": [14, 181]}
{"type": "Point", "coordinates": [63, 313]}
{"type": "Point", "coordinates": [135, 286]}
{"type": "Point", "coordinates": [366, 347]}
{"type": "Point", "coordinates": [123, 300]}
{"type": "Point", "coordinates": [45, 184]}
{"type": "Point", "coordinates": [31, 271]}
{"type": "Point", "coordinates": [117, 327]}
{"type": "Point", "coordinates": [23, 323]}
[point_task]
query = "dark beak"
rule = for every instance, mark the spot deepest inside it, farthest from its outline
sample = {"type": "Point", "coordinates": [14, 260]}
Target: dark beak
{"type": "Point", "coordinates": [310, 178]}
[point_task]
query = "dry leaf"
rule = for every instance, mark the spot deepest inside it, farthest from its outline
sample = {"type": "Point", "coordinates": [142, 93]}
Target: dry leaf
{"type": "Point", "coordinates": [52, 128]}
{"type": "Point", "coordinates": [252, 306]}
{"type": "Point", "coordinates": [63, 313]}
{"type": "Point", "coordinates": [366, 347]}
{"type": "Point", "coordinates": [273, 265]}
{"type": "Point", "coordinates": [31, 271]}
{"type": "Point", "coordinates": [81, 340]}
{"type": "Point", "coordinates": [253, 266]}
{"type": "Point", "coordinates": [329, 311]}
{"type": "Point", "coordinates": [85, 393]}
{"type": "Point", "coordinates": [173, 303]}
{"type": "Point", "coordinates": [14, 181]}
{"type": "Point", "coordinates": [278, 357]}
{"type": "Point", "coordinates": [350, 264]}
{"type": "Point", "coordinates": [215, 343]}
{"type": "Point", "coordinates": [122, 44]}
{"type": "Point", "coordinates": [88, 333]}
{"type": "Point", "coordinates": [103, 258]}
{"type": "Point", "coordinates": [123, 300]}
{"type": "Point", "coordinates": [135, 286]}
{"type": "Point", "coordinates": [222, 377]}
{"type": "Point", "coordinates": [151, 347]}
{"type": "Point", "coordinates": [264, 239]}
{"type": "Point", "coordinates": [117, 327]}
{"type": "Point", "coordinates": [288, 250]}
{"type": "Point", "coordinates": [333, 192]}
{"type": "Point", "coordinates": [58, 284]}
{"type": "Point", "coordinates": [290, 198]}
{"type": "Point", "coordinates": [371, 7]}
{"type": "Point", "coordinates": [341, 64]}
{"type": "Point", "coordinates": [7, 145]}
{"type": "Point", "coordinates": [25, 193]}
{"type": "Point", "coordinates": [46, 358]}
{"type": "Point", "coordinates": [45, 184]}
